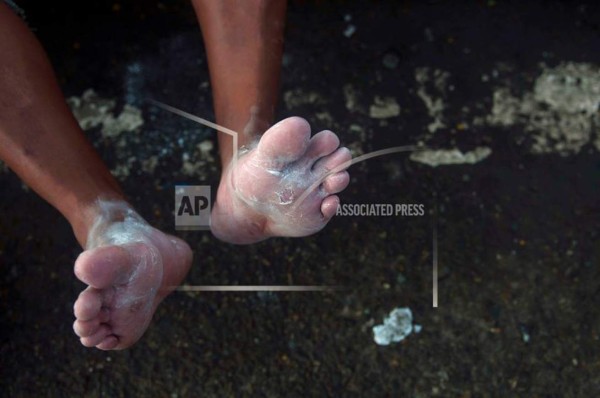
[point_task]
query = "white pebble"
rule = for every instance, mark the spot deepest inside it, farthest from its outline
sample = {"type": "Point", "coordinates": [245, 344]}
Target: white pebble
{"type": "Point", "coordinates": [396, 326]}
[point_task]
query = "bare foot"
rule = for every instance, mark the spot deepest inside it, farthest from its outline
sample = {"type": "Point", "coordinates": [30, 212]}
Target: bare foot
{"type": "Point", "coordinates": [129, 267]}
{"type": "Point", "coordinates": [257, 196]}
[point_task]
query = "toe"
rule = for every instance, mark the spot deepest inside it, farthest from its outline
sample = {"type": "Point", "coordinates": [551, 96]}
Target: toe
{"type": "Point", "coordinates": [102, 266]}
{"type": "Point", "coordinates": [338, 161]}
{"type": "Point", "coordinates": [322, 144]}
{"type": "Point", "coordinates": [329, 206]}
{"type": "Point", "coordinates": [88, 304]}
{"type": "Point", "coordinates": [85, 328]}
{"type": "Point", "coordinates": [88, 328]}
{"type": "Point", "coordinates": [109, 343]}
{"type": "Point", "coordinates": [284, 142]}
{"type": "Point", "coordinates": [95, 339]}
{"type": "Point", "coordinates": [337, 182]}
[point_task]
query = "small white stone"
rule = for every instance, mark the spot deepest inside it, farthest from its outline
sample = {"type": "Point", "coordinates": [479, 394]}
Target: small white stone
{"type": "Point", "coordinates": [349, 31]}
{"type": "Point", "coordinates": [439, 157]}
{"type": "Point", "coordinates": [396, 326]}
{"type": "Point", "coordinates": [384, 107]}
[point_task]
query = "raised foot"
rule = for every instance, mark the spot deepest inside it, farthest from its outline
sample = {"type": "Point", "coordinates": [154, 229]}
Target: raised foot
{"type": "Point", "coordinates": [258, 195]}
{"type": "Point", "coordinates": [129, 268]}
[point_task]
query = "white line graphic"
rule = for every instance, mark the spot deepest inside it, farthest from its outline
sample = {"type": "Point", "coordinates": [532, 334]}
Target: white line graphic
{"type": "Point", "coordinates": [435, 260]}
{"type": "Point", "coordinates": [257, 288]}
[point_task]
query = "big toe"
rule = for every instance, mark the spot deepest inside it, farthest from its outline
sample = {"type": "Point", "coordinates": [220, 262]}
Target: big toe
{"type": "Point", "coordinates": [102, 266]}
{"type": "Point", "coordinates": [284, 142]}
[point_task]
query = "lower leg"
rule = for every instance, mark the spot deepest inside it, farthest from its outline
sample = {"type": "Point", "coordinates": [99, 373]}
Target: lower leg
{"type": "Point", "coordinates": [128, 265]}
{"type": "Point", "coordinates": [39, 138]}
{"type": "Point", "coordinates": [255, 200]}
{"type": "Point", "coordinates": [244, 44]}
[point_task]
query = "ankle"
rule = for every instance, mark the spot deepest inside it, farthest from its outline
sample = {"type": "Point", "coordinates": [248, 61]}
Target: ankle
{"type": "Point", "coordinates": [233, 221]}
{"type": "Point", "coordinates": [91, 218]}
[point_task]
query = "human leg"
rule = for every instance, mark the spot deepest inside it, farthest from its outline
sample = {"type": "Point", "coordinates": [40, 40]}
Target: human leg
{"type": "Point", "coordinates": [255, 199]}
{"type": "Point", "coordinates": [128, 265]}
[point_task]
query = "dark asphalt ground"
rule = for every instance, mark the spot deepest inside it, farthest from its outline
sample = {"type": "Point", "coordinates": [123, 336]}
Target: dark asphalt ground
{"type": "Point", "coordinates": [518, 233]}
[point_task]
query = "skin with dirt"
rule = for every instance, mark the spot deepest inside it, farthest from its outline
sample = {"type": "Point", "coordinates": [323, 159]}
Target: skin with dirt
{"type": "Point", "coordinates": [518, 229]}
